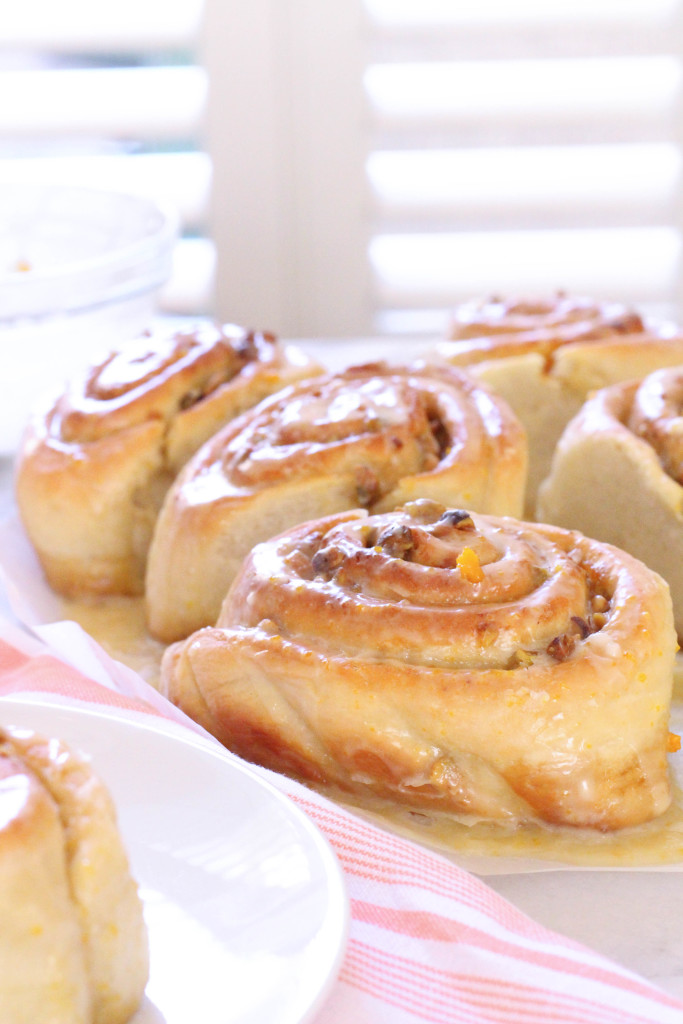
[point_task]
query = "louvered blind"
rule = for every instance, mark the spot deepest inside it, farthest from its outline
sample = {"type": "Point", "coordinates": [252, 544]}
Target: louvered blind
{"type": "Point", "coordinates": [113, 96]}
{"type": "Point", "coordinates": [379, 160]}
{"type": "Point", "coordinates": [523, 147]}
{"type": "Point", "coordinates": [356, 166]}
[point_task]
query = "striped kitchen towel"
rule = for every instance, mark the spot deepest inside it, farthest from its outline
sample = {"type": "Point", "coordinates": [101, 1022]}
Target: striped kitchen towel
{"type": "Point", "coordinates": [428, 942]}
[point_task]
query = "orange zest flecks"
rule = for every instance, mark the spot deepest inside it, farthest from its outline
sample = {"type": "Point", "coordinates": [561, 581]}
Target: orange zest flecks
{"type": "Point", "coordinates": [673, 743]}
{"type": "Point", "coordinates": [469, 565]}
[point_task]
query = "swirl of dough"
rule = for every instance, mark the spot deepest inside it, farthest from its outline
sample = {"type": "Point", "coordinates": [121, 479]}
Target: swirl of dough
{"type": "Point", "coordinates": [617, 474]}
{"type": "Point", "coordinates": [94, 466]}
{"type": "Point", "coordinates": [445, 660]}
{"type": "Point", "coordinates": [546, 322]}
{"type": "Point", "coordinates": [657, 416]}
{"type": "Point", "coordinates": [193, 381]}
{"type": "Point", "coordinates": [545, 356]}
{"type": "Point", "coordinates": [469, 579]}
{"type": "Point", "coordinates": [373, 436]}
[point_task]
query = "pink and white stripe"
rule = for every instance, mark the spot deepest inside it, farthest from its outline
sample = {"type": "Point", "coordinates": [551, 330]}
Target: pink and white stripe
{"type": "Point", "coordinates": [428, 942]}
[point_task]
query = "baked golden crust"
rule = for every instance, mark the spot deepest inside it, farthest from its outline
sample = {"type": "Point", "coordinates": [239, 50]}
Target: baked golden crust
{"type": "Point", "coordinates": [544, 356]}
{"type": "Point", "coordinates": [493, 324]}
{"type": "Point", "coordinates": [617, 474]}
{"type": "Point", "coordinates": [472, 664]}
{"type": "Point", "coordinates": [73, 942]}
{"type": "Point", "coordinates": [374, 435]}
{"type": "Point", "coordinates": [94, 466]}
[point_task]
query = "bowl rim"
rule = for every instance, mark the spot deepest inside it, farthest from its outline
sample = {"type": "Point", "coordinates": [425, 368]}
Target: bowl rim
{"type": "Point", "coordinates": [131, 268]}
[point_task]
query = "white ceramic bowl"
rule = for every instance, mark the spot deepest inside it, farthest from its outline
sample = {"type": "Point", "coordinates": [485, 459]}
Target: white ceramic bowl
{"type": "Point", "coordinates": [80, 270]}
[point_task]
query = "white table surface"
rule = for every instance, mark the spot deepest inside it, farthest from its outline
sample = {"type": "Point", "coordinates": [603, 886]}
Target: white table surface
{"type": "Point", "coordinates": [633, 917]}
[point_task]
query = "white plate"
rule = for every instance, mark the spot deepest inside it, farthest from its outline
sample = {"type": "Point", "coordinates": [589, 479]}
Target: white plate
{"type": "Point", "coordinates": [244, 900]}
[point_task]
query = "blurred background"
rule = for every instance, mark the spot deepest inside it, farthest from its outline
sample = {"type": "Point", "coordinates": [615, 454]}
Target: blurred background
{"type": "Point", "coordinates": [356, 167]}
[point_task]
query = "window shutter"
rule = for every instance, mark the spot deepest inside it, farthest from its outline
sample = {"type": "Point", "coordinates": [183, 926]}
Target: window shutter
{"type": "Point", "coordinates": [358, 166]}
{"type": "Point", "coordinates": [287, 137]}
{"type": "Point", "coordinates": [113, 96]}
{"type": "Point", "coordinates": [397, 156]}
{"type": "Point", "coordinates": [522, 148]}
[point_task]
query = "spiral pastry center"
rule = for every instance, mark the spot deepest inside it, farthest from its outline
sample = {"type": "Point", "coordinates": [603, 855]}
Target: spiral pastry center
{"type": "Point", "coordinates": [144, 361]}
{"type": "Point", "coordinates": [459, 589]}
{"type": "Point", "coordinates": [657, 416]}
{"type": "Point", "coordinates": [154, 376]}
{"type": "Point", "coordinates": [390, 425]}
{"type": "Point", "coordinates": [141, 363]}
{"type": "Point", "coordinates": [563, 315]}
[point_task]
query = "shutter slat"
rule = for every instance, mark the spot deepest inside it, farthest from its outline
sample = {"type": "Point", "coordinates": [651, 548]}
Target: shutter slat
{"type": "Point", "coordinates": [635, 265]}
{"type": "Point", "coordinates": [534, 187]}
{"type": "Point", "coordinates": [583, 91]}
{"type": "Point", "coordinates": [73, 26]}
{"type": "Point", "coordinates": [157, 103]}
{"type": "Point", "coordinates": [500, 14]}
{"type": "Point", "coordinates": [522, 148]}
{"type": "Point", "coordinates": [522, 103]}
{"type": "Point", "coordinates": [455, 30]}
